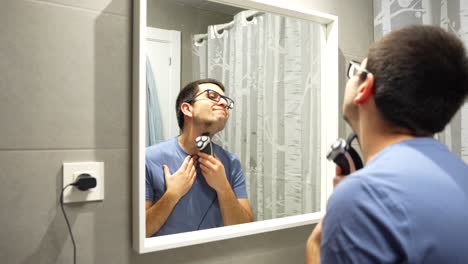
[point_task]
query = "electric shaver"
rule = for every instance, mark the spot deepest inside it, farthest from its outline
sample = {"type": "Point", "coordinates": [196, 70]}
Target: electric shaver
{"type": "Point", "coordinates": [344, 155]}
{"type": "Point", "coordinates": [204, 144]}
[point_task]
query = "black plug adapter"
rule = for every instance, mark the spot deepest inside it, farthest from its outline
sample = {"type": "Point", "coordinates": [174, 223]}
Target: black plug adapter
{"type": "Point", "coordinates": [85, 182]}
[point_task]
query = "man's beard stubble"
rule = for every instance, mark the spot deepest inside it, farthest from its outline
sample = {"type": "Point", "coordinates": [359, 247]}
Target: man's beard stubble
{"type": "Point", "coordinates": [212, 126]}
{"type": "Point", "coordinates": [349, 115]}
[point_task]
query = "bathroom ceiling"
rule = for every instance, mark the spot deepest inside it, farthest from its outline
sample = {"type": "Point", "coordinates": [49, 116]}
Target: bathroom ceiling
{"type": "Point", "coordinates": [210, 6]}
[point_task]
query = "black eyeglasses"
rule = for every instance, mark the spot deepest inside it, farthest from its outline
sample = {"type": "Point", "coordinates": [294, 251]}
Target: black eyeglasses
{"type": "Point", "coordinates": [354, 67]}
{"type": "Point", "coordinates": [215, 96]}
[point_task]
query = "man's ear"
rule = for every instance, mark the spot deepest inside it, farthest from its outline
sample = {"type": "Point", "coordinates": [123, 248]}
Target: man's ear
{"type": "Point", "coordinates": [365, 89]}
{"type": "Point", "coordinates": [186, 109]}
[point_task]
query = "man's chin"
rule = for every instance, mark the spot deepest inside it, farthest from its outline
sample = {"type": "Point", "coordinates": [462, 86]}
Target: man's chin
{"type": "Point", "coordinates": [216, 126]}
{"type": "Point", "coordinates": [348, 121]}
{"type": "Point", "coordinates": [220, 126]}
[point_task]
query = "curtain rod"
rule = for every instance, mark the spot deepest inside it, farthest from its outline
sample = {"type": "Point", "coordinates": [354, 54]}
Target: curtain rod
{"type": "Point", "coordinates": [221, 27]}
{"type": "Point", "coordinates": [249, 17]}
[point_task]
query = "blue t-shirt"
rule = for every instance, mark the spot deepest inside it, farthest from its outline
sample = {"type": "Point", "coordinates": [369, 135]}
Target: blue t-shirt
{"type": "Point", "coordinates": [409, 204]}
{"type": "Point", "coordinates": [199, 207]}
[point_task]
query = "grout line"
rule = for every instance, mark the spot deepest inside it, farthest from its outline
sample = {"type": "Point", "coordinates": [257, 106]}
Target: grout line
{"type": "Point", "coordinates": [45, 2]}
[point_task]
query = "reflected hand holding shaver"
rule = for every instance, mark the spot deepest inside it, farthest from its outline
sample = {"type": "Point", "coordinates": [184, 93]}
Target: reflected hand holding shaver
{"type": "Point", "coordinates": [344, 155]}
{"type": "Point", "coordinates": [204, 144]}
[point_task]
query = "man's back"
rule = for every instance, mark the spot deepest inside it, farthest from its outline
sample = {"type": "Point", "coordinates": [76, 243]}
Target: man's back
{"type": "Point", "coordinates": [409, 204]}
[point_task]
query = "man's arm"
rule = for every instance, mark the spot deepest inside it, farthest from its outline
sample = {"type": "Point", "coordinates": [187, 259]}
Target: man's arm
{"type": "Point", "coordinates": [312, 253]}
{"type": "Point", "coordinates": [157, 213]}
{"type": "Point", "coordinates": [233, 210]}
{"type": "Point", "coordinates": [177, 185]}
{"type": "Point", "coordinates": [313, 245]}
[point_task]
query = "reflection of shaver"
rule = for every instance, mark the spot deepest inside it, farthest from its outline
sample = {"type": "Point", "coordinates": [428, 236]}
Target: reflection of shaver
{"type": "Point", "coordinates": [203, 144]}
{"type": "Point", "coordinates": [344, 155]}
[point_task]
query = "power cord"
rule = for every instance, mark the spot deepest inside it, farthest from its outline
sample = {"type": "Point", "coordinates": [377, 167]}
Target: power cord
{"type": "Point", "coordinates": [68, 224]}
{"type": "Point", "coordinates": [206, 212]}
{"type": "Point", "coordinates": [84, 182]}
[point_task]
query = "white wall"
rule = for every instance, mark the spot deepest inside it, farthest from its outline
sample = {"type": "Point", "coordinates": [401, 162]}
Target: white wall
{"type": "Point", "coordinates": [65, 96]}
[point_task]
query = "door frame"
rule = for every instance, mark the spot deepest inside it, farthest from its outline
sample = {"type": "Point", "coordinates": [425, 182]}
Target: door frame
{"type": "Point", "coordinates": [169, 96]}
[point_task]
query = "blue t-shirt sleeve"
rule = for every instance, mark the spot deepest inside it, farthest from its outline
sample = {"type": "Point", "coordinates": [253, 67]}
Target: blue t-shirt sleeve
{"type": "Point", "coordinates": [154, 178]}
{"type": "Point", "coordinates": [149, 185]}
{"type": "Point", "coordinates": [238, 178]}
{"type": "Point", "coordinates": [362, 225]}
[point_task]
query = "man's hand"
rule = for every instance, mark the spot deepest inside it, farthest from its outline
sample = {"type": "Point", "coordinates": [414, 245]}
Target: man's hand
{"type": "Point", "coordinates": [213, 171]}
{"type": "Point", "coordinates": [313, 243]}
{"type": "Point", "coordinates": [312, 254]}
{"type": "Point", "coordinates": [338, 176]}
{"type": "Point", "coordinates": [182, 180]}
{"type": "Point", "coordinates": [233, 210]}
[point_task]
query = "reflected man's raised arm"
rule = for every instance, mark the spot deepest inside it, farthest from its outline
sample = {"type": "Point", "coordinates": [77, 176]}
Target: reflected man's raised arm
{"type": "Point", "coordinates": [233, 210]}
{"type": "Point", "coordinates": [177, 185]}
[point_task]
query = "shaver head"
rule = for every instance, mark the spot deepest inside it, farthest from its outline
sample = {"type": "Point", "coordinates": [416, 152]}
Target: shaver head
{"type": "Point", "coordinates": [338, 147]}
{"type": "Point", "coordinates": [203, 143]}
{"type": "Point", "coordinates": [344, 155]}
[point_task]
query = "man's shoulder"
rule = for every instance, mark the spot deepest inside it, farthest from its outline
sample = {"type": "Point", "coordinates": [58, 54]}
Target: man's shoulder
{"type": "Point", "coordinates": [165, 152]}
{"type": "Point", "coordinates": [161, 147]}
{"type": "Point", "coordinates": [224, 154]}
{"type": "Point", "coordinates": [409, 161]}
{"type": "Point", "coordinates": [367, 190]}
{"type": "Point", "coordinates": [352, 186]}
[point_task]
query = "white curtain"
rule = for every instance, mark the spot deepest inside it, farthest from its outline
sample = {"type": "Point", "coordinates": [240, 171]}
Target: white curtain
{"type": "Point", "coordinates": [270, 66]}
{"type": "Point", "coordinates": [451, 15]}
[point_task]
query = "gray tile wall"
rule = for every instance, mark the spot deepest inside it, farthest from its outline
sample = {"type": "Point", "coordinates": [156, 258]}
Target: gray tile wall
{"type": "Point", "coordinates": [65, 96]}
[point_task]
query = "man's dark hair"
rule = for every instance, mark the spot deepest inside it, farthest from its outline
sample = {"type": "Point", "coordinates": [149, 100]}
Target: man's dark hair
{"type": "Point", "coordinates": [421, 78]}
{"type": "Point", "coordinates": [188, 93]}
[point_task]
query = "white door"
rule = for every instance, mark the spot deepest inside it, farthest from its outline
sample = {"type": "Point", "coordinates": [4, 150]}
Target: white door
{"type": "Point", "coordinates": [163, 51]}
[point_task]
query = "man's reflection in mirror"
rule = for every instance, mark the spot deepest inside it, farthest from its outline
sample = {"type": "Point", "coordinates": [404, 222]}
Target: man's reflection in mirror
{"type": "Point", "coordinates": [187, 190]}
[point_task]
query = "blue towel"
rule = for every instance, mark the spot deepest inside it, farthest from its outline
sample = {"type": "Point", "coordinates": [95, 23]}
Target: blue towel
{"type": "Point", "coordinates": [153, 117]}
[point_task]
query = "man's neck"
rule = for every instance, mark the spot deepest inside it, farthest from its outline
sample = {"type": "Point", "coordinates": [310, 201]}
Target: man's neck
{"type": "Point", "coordinates": [375, 133]}
{"type": "Point", "coordinates": [187, 139]}
{"type": "Point", "coordinates": [374, 140]}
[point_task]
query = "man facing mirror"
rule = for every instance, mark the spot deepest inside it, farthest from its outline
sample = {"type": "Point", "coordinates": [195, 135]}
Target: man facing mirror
{"type": "Point", "coordinates": [188, 190]}
{"type": "Point", "coordinates": [409, 204]}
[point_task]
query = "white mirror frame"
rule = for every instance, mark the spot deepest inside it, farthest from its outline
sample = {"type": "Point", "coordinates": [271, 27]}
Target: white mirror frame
{"type": "Point", "coordinates": [329, 129]}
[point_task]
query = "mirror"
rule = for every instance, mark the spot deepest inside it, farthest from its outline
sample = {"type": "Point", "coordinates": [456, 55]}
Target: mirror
{"type": "Point", "coordinates": [279, 63]}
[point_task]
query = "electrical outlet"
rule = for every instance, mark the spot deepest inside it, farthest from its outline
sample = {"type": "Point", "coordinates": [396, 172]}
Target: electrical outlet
{"type": "Point", "coordinates": [71, 171]}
